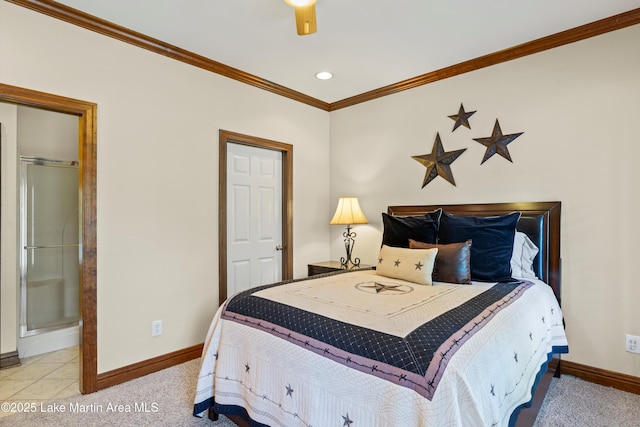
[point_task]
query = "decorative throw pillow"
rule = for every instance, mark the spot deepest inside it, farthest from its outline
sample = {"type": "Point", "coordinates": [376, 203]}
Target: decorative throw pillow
{"type": "Point", "coordinates": [399, 229]}
{"type": "Point", "coordinates": [412, 265]}
{"type": "Point", "coordinates": [492, 242]}
{"type": "Point", "coordinates": [453, 261]}
{"type": "Point", "coordinates": [524, 253]}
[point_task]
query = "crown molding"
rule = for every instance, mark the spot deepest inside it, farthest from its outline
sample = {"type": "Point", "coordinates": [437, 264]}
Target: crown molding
{"type": "Point", "coordinates": [586, 31]}
{"type": "Point", "coordinates": [92, 23]}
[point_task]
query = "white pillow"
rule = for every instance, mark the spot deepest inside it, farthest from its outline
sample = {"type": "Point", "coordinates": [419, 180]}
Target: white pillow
{"type": "Point", "coordinates": [412, 265]}
{"type": "Point", "coordinates": [524, 252]}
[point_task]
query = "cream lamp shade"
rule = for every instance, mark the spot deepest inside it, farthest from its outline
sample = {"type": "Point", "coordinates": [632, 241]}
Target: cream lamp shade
{"type": "Point", "coordinates": [348, 212]}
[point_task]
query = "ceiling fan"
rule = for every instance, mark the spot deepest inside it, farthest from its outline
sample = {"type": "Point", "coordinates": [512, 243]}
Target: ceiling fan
{"type": "Point", "coordinates": [305, 16]}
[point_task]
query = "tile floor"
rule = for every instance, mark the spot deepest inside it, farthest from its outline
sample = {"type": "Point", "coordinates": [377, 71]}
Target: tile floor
{"type": "Point", "coordinates": [41, 378]}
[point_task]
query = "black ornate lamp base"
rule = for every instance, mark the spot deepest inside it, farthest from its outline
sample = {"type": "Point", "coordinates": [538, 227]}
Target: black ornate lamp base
{"type": "Point", "coordinates": [349, 242]}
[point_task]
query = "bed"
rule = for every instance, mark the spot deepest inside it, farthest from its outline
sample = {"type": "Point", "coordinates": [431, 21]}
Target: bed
{"type": "Point", "coordinates": [440, 333]}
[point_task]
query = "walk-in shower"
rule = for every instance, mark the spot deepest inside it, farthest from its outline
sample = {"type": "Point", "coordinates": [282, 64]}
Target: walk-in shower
{"type": "Point", "coordinates": [49, 246]}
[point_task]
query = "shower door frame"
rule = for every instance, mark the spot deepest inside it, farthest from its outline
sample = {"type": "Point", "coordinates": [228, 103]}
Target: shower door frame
{"type": "Point", "coordinates": [87, 156]}
{"type": "Point", "coordinates": [25, 161]}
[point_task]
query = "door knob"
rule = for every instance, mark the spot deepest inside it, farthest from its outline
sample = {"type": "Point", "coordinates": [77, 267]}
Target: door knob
{"type": "Point", "coordinates": [278, 247]}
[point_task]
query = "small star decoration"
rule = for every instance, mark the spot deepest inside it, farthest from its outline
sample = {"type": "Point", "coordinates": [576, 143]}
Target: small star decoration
{"type": "Point", "coordinates": [347, 420]}
{"type": "Point", "coordinates": [497, 143]}
{"type": "Point", "coordinates": [289, 390]}
{"type": "Point", "coordinates": [438, 162]}
{"type": "Point", "coordinates": [462, 118]}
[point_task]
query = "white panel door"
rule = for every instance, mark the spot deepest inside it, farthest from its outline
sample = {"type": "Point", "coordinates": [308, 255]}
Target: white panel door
{"type": "Point", "coordinates": [254, 217]}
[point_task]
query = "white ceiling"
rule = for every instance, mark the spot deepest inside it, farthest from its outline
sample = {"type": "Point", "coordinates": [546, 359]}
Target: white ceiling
{"type": "Point", "coordinates": [366, 44]}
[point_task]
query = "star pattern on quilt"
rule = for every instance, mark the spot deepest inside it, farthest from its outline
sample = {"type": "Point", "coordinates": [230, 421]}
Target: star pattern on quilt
{"type": "Point", "coordinates": [462, 118]}
{"type": "Point", "coordinates": [497, 143]}
{"type": "Point", "coordinates": [380, 287]}
{"type": "Point", "coordinates": [515, 356]}
{"type": "Point", "coordinates": [493, 390]}
{"type": "Point", "coordinates": [289, 391]}
{"type": "Point", "coordinates": [438, 162]}
{"type": "Point", "coordinates": [347, 420]}
{"type": "Point", "coordinates": [246, 367]}
{"type": "Point", "coordinates": [419, 266]}
{"type": "Point", "coordinates": [397, 263]}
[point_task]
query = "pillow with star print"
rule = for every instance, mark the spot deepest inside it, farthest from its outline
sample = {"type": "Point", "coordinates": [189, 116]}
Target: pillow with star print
{"type": "Point", "coordinates": [412, 265]}
{"type": "Point", "coordinates": [453, 262]}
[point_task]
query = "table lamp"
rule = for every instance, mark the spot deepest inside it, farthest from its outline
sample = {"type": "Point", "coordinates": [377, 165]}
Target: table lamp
{"type": "Point", "coordinates": [348, 213]}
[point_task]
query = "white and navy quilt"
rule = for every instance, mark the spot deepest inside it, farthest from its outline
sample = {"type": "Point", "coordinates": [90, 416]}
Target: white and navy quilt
{"type": "Point", "coordinates": [360, 349]}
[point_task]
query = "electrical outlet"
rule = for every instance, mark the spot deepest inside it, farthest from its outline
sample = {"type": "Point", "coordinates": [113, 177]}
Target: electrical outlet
{"type": "Point", "coordinates": [156, 328]}
{"type": "Point", "coordinates": [633, 344]}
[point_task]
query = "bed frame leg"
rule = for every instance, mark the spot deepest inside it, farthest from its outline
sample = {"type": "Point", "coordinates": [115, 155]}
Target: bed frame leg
{"type": "Point", "coordinates": [558, 371]}
{"type": "Point", "coordinates": [213, 416]}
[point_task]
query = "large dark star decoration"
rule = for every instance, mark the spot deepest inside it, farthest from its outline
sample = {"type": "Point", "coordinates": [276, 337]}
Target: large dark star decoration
{"type": "Point", "coordinates": [497, 143]}
{"type": "Point", "coordinates": [462, 118]}
{"type": "Point", "coordinates": [438, 162]}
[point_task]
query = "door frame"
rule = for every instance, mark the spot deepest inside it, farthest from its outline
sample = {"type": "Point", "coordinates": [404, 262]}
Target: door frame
{"type": "Point", "coordinates": [87, 156]}
{"type": "Point", "coordinates": [227, 137]}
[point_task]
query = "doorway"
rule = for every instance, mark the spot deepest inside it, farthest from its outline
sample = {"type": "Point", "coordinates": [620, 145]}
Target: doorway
{"type": "Point", "coordinates": [282, 154]}
{"type": "Point", "coordinates": [87, 157]}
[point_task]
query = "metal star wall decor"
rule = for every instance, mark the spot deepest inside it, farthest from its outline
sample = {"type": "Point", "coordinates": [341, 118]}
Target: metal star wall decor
{"type": "Point", "coordinates": [497, 143]}
{"type": "Point", "coordinates": [438, 162]}
{"type": "Point", "coordinates": [462, 118]}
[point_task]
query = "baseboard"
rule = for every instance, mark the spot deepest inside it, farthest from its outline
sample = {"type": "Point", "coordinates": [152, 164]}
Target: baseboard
{"type": "Point", "coordinates": [149, 366]}
{"type": "Point", "coordinates": [9, 359]}
{"type": "Point", "coordinates": [601, 376]}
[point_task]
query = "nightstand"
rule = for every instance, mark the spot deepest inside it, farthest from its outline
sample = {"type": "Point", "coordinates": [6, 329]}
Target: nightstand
{"type": "Point", "coordinates": [329, 266]}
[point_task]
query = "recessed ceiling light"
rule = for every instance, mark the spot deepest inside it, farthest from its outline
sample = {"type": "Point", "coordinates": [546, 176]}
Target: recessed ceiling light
{"type": "Point", "coordinates": [324, 75]}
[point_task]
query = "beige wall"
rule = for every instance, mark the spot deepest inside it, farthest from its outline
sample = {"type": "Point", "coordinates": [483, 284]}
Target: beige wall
{"type": "Point", "coordinates": [578, 107]}
{"type": "Point", "coordinates": [47, 134]}
{"type": "Point", "coordinates": [158, 122]}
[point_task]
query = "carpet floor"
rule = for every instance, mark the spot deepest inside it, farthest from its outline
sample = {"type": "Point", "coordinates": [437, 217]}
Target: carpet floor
{"type": "Point", "coordinates": [165, 398]}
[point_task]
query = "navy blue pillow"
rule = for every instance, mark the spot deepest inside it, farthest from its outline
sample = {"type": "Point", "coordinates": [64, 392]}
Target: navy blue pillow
{"type": "Point", "coordinates": [492, 242]}
{"type": "Point", "coordinates": [399, 229]}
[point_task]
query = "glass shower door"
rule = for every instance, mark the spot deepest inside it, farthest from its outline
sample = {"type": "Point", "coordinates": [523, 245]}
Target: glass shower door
{"type": "Point", "coordinates": [50, 243]}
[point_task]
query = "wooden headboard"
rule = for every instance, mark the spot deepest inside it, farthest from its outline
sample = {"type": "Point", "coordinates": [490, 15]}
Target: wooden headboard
{"type": "Point", "coordinates": [539, 220]}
